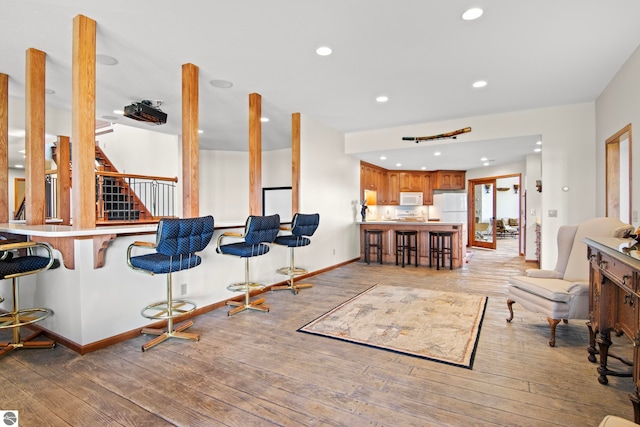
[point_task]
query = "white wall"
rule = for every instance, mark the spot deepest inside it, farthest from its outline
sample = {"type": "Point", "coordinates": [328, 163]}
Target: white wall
{"type": "Point", "coordinates": [568, 137]}
{"type": "Point", "coordinates": [617, 106]}
{"type": "Point", "coordinates": [329, 185]}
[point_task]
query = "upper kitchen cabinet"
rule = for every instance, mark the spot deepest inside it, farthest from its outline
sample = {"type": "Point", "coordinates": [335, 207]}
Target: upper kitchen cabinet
{"type": "Point", "coordinates": [393, 191]}
{"type": "Point", "coordinates": [368, 177]}
{"type": "Point", "coordinates": [449, 180]}
{"type": "Point", "coordinates": [410, 181]}
{"type": "Point", "coordinates": [426, 179]}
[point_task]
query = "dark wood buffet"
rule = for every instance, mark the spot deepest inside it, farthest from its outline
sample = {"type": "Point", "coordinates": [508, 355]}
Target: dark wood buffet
{"type": "Point", "coordinates": [614, 297]}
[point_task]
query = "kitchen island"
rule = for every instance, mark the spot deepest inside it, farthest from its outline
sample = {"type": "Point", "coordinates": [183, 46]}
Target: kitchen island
{"type": "Point", "coordinates": [423, 228]}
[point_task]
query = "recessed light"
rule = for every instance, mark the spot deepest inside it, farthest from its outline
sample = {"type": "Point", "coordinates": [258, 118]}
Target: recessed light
{"type": "Point", "coordinates": [437, 153]}
{"type": "Point", "coordinates": [200, 131]}
{"type": "Point", "coordinates": [383, 158]}
{"type": "Point", "coordinates": [118, 112]}
{"type": "Point", "coordinates": [537, 150]}
{"type": "Point", "coordinates": [264, 119]}
{"type": "Point", "coordinates": [473, 13]}
{"type": "Point", "coordinates": [424, 168]}
{"type": "Point", "coordinates": [22, 151]}
{"type": "Point", "coordinates": [485, 164]}
{"type": "Point", "coordinates": [539, 143]}
{"type": "Point", "coordinates": [221, 84]}
{"type": "Point", "coordinates": [382, 98]}
{"type": "Point", "coordinates": [398, 164]}
{"type": "Point", "coordinates": [105, 59]}
{"type": "Point", "coordinates": [324, 51]}
{"type": "Point", "coordinates": [18, 166]}
{"type": "Point", "coordinates": [483, 159]}
{"type": "Point", "coordinates": [479, 84]}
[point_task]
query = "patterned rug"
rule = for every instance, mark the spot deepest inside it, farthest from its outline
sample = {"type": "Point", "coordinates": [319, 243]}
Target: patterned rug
{"type": "Point", "coordinates": [435, 325]}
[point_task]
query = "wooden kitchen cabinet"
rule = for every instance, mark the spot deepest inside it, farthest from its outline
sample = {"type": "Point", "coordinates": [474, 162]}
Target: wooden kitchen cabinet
{"type": "Point", "coordinates": [368, 177]}
{"type": "Point", "coordinates": [393, 190]}
{"type": "Point", "coordinates": [410, 181]}
{"type": "Point", "coordinates": [427, 188]}
{"type": "Point", "coordinates": [449, 180]}
{"type": "Point", "coordinates": [383, 187]}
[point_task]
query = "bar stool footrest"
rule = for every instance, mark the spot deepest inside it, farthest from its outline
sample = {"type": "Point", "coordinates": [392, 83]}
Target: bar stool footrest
{"type": "Point", "coordinates": [160, 310]}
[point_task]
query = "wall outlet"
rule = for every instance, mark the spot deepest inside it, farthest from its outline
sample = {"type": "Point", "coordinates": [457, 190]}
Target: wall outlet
{"type": "Point", "coordinates": [183, 289]}
{"type": "Point", "coordinates": [334, 251]}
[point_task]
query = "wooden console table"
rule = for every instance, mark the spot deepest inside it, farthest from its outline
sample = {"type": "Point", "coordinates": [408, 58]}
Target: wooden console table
{"type": "Point", "coordinates": [614, 297]}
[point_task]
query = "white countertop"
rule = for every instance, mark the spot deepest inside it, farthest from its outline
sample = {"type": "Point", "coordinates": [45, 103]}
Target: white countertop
{"type": "Point", "coordinates": [401, 222]}
{"type": "Point", "coordinates": [54, 230]}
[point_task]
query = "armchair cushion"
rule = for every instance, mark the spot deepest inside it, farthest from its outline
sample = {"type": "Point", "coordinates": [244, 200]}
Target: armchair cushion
{"type": "Point", "coordinates": [543, 274]}
{"type": "Point", "coordinates": [551, 289]}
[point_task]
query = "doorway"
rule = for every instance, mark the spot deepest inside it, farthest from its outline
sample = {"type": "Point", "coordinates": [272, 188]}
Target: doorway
{"type": "Point", "coordinates": [482, 231]}
{"type": "Point", "coordinates": [495, 214]}
{"type": "Point", "coordinates": [618, 175]}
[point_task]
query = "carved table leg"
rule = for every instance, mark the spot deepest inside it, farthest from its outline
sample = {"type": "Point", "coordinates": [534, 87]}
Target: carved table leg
{"type": "Point", "coordinates": [604, 342]}
{"type": "Point", "coordinates": [592, 350]}
{"type": "Point", "coordinates": [510, 307]}
{"type": "Point", "coordinates": [635, 400]}
{"type": "Point", "coordinates": [552, 325]}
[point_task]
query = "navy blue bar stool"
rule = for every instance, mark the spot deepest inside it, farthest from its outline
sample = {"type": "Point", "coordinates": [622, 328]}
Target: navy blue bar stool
{"type": "Point", "coordinates": [259, 231]}
{"type": "Point", "coordinates": [177, 241]}
{"type": "Point", "coordinates": [302, 227]}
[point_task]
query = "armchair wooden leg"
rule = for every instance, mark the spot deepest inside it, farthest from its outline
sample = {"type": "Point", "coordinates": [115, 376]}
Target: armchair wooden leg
{"type": "Point", "coordinates": [552, 325]}
{"type": "Point", "coordinates": [510, 307]}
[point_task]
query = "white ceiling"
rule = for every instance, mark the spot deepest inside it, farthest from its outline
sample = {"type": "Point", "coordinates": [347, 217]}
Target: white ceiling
{"type": "Point", "coordinates": [419, 53]}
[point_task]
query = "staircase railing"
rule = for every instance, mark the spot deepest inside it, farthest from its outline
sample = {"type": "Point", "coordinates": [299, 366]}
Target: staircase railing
{"type": "Point", "coordinates": [51, 197]}
{"type": "Point", "coordinates": [131, 197]}
{"type": "Point", "coordinates": [119, 197]}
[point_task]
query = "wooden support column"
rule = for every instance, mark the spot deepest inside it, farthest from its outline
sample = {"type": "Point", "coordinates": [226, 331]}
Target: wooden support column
{"type": "Point", "coordinates": [255, 154]}
{"type": "Point", "coordinates": [83, 121]}
{"type": "Point", "coordinates": [4, 148]}
{"type": "Point", "coordinates": [295, 163]}
{"type": "Point", "coordinates": [190, 144]}
{"type": "Point", "coordinates": [35, 200]}
{"type": "Point", "coordinates": [63, 184]}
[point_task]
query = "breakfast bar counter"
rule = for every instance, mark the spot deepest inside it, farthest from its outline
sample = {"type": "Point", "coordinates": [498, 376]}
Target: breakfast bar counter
{"type": "Point", "coordinates": [423, 228]}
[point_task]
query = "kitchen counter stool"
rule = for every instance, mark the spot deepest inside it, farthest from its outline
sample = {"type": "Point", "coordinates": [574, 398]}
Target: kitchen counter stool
{"type": "Point", "coordinates": [407, 242]}
{"type": "Point", "coordinates": [372, 240]}
{"type": "Point", "coordinates": [440, 246]}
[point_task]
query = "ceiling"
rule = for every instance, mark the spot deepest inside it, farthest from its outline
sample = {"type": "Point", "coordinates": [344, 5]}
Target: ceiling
{"type": "Point", "coordinates": [419, 53]}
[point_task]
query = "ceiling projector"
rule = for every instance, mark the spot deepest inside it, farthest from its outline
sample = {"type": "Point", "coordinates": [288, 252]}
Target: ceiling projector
{"type": "Point", "coordinates": [145, 111]}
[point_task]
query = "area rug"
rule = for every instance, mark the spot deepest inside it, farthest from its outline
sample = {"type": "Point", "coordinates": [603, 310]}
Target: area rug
{"type": "Point", "coordinates": [435, 325]}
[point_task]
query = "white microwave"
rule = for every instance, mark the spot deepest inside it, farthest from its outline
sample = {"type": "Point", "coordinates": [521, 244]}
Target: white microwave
{"type": "Point", "coordinates": [411, 198]}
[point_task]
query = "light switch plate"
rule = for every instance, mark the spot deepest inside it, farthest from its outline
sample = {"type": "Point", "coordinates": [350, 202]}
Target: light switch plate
{"type": "Point", "coordinates": [553, 213]}
{"type": "Point", "coordinates": [532, 211]}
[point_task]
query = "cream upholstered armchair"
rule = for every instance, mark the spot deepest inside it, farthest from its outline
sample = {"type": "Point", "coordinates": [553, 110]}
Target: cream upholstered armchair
{"type": "Point", "coordinates": [563, 293]}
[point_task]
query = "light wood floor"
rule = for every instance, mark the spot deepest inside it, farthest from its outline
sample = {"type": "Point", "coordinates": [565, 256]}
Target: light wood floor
{"type": "Point", "coordinates": [254, 369]}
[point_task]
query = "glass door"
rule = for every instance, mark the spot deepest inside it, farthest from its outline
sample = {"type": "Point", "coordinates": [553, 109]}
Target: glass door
{"type": "Point", "coordinates": [483, 199]}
